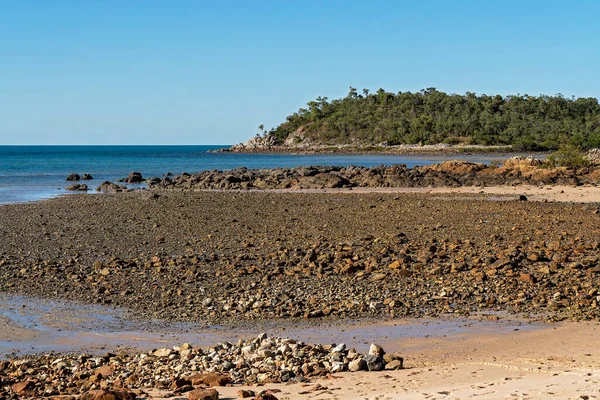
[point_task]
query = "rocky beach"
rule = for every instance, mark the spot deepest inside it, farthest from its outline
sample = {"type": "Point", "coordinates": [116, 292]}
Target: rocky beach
{"type": "Point", "coordinates": [249, 249]}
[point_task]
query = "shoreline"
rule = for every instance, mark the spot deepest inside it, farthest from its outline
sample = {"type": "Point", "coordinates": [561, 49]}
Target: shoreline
{"type": "Point", "coordinates": [401, 150]}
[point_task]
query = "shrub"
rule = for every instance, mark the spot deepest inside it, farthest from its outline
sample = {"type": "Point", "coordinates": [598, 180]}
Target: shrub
{"type": "Point", "coordinates": [568, 156]}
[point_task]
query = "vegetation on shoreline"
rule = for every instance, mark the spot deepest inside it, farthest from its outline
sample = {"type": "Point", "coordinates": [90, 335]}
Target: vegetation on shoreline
{"type": "Point", "coordinates": [430, 117]}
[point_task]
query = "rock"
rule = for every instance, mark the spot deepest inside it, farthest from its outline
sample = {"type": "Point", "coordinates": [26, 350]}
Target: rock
{"type": "Point", "coordinates": [395, 364]}
{"type": "Point", "coordinates": [107, 186]}
{"type": "Point", "coordinates": [244, 394]}
{"type": "Point", "coordinates": [357, 365]}
{"type": "Point", "coordinates": [527, 278]}
{"type": "Point", "coordinates": [77, 187]}
{"type": "Point", "coordinates": [210, 379]}
{"type": "Point", "coordinates": [73, 177]}
{"type": "Point", "coordinates": [158, 352]}
{"type": "Point", "coordinates": [522, 197]}
{"type": "Point", "coordinates": [87, 177]}
{"type": "Point", "coordinates": [24, 386]}
{"type": "Point", "coordinates": [339, 348]}
{"type": "Point", "coordinates": [134, 177]}
{"type": "Point", "coordinates": [265, 395]}
{"type": "Point", "coordinates": [374, 363]}
{"type": "Point", "coordinates": [376, 350]}
{"type": "Point", "coordinates": [203, 394]}
{"type": "Point", "coordinates": [107, 394]}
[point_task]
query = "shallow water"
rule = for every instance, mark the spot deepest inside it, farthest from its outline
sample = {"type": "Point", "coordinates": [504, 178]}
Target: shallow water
{"type": "Point", "coordinates": [53, 325]}
{"type": "Point", "coordinates": [36, 172]}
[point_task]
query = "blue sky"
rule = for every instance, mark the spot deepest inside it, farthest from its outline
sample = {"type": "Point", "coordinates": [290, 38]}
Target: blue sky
{"type": "Point", "coordinates": [200, 72]}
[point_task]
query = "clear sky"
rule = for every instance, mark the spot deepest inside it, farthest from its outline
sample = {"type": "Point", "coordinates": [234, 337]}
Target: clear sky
{"type": "Point", "coordinates": [209, 72]}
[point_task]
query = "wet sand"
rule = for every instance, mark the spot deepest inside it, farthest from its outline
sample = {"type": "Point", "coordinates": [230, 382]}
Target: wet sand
{"type": "Point", "coordinates": [31, 326]}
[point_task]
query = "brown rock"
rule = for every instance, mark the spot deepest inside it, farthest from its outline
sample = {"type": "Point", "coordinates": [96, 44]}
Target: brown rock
{"type": "Point", "coordinates": [210, 379]}
{"type": "Point", "coordinates": [244, 394]}
{"type": "Point", "coordinates": [107, 394]}
{"type": "Point", "coordinates": [202, 394]}
{"type": "Point", "coordinates": [23, 386]}
{"type": "Point", "coordinates": [265, 395]}
{"type": "Point", "coordinates": [104, 371]}
{"type": "Point", "coordinates": [527, 278]}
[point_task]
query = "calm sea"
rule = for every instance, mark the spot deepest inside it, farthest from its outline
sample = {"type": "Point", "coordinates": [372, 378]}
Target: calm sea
{"type": "Point", "coordinates": [36, 172]}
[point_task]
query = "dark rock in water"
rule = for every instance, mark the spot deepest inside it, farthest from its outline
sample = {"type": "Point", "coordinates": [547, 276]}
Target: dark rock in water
{"type": "Point", "coordinates": [108, 186]}
{"type": "Point", "coordinates": [522, 198]}
{"type": "Point", "coordinates": [87, 177]}
{"type": "Point", "coordinates": [77, 186]}
{"type": "Point", "coordinates": [153, 181]}
{"type": "Point", "coordinates": [134, 177]}
{"type": "Point", "coordinates": [73, 177]}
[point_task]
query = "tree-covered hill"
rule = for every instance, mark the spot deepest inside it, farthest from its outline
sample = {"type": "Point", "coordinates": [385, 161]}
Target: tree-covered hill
{"type": "Point", "coordinates": [431, 116]}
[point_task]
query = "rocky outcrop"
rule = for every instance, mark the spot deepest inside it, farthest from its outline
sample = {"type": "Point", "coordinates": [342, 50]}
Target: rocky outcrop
{"type": "Point", "coordinates": [87, 177]}
{"type": "Point", "coordinates": [256, 143]}
{"type": "Point", "coordinates": [73, 177]}
{"type": "Point", "coordinates": [514, 171]}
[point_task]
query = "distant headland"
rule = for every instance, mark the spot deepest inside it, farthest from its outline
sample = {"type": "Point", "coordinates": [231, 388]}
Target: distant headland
{"type": "Point", "coordinates": [431, 120]}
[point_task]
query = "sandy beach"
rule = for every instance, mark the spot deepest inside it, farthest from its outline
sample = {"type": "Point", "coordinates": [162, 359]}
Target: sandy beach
{"type": "Point", "coordinates": [559, 362]}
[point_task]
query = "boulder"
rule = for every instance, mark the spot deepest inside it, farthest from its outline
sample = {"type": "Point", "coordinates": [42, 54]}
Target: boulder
{"type": "Point", "coordinates": [107, 394]}
{"type": "Point", "coordinates": [395, 364]}
{"type": "Point", "coordinates": [134, 177]}
{"type": "Point", "coordinates": [357, 365]}
{"type": "Point", "coordinates": [374, 363]}
{"type": "Point", "coordinates": [73, 177]}
{"type": "Point", "coordinates": [108, 186]}
{"type": "Point", "coordinates": [376, 350]}
{"type": "Point", "coordinates": [87, 177]}
{"type": "Point", "coordinates": [210, 379]}
{"type": "Point", "coordinates": [203, 394]}
{"type": "Point", "coordinates": [23, 387]}
{"type": "Point", "coordinates": [77, 187]}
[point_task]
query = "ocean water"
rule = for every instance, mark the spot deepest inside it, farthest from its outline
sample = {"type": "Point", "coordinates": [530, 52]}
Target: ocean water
{"type": "Point", "coordinates": [29, 173]}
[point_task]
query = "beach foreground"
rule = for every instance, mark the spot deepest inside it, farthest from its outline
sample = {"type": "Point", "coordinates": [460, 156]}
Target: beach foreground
{"type": "Point", "coordinates": [249, 260]}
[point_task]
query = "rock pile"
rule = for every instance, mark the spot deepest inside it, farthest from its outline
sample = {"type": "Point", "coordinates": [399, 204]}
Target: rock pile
{"type": "Point", "coordinates": [183, 369]}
